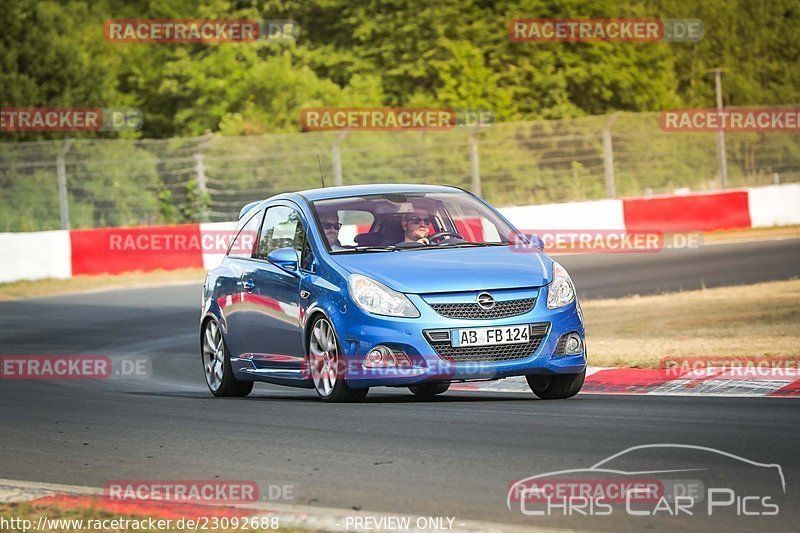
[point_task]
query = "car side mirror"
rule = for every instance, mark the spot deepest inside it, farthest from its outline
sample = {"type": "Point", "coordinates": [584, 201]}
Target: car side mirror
{"type": "Point", "coordinates": [285, 259]}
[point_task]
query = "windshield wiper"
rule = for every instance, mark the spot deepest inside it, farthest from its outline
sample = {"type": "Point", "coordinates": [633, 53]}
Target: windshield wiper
{"type": "Point", "coordinates": [369, 249]}
{"type": "Point", "coordinates": [470, 244]}
{"type": "Point", "coordinates": [416, 246]}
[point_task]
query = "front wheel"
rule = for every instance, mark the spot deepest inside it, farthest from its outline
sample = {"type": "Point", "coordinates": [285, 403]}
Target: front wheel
{"type": "Point", "coordinates": [326, 365]}
{"type": "Point", "coordinates": [217, 364]}
{"type": "Point", "coordinates": [429, 390]}
{"type": "Point", "coordinates": [556, 386]}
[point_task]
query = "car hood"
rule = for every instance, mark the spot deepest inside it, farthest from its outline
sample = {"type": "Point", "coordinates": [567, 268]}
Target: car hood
{"type": "Point", "coordinates": [451, 270]}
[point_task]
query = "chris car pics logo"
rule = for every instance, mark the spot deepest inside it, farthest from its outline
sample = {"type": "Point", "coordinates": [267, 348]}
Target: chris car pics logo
{"type": "Point", "coordinates": [703, 482]}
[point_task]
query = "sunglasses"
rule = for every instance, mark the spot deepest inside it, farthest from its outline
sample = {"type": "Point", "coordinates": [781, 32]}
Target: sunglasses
{"type": "Point", "coordinates": [419, 220]}
{"type": "Point", "coordinates": [331, 225]}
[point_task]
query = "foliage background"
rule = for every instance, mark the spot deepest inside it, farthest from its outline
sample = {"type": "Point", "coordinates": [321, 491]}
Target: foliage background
{"type": "Point", "coordinates": [391, 52]}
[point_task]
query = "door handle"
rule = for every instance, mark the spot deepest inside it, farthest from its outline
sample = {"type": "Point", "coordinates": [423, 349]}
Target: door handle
{"type": "Point", "coordinates": [249, 284]}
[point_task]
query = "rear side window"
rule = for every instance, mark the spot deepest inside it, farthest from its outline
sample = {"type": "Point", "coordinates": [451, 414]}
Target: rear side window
{"type": "Point", "coordinates": [282, 228]}
{"type": "Point", "coordinates": [243, 244]}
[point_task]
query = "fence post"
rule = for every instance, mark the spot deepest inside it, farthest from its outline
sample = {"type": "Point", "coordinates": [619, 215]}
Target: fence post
{"type": "Point", "coordinates": [336, 155]}
{"type": "Point", "coordinates": [723, 162]}
{"type": "Point", "coordinates": [61, 172]}
{"type": "Point", "coordinates": [202, 180]}
{"type": "Point", "coordinates": [202, 184]}
{"type": "Point", "coordinates": [608, 155]}
{"type": "Point", "coordinates": [474, 161]}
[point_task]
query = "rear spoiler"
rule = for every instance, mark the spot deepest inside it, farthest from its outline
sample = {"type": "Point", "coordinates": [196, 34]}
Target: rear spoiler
{"type": "Point", "coordinates": [247, 208]}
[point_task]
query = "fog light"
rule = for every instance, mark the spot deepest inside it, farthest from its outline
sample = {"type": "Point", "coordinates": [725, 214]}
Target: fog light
{"type": "Point", "coordinates": [385, 357]}
{"type": "Point", "coordinates": [574, 344]}
{"type": "Point", "coordinates": [374, 358]}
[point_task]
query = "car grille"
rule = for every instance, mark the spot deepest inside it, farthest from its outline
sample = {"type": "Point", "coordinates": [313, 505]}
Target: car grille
{"type": "Point", "coordinates": [471, 310]}
{"type": "Point", "coordinates": [499, 352]}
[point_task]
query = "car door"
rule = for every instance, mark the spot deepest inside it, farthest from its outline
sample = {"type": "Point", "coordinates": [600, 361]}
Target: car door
{"type": "Point", "coordinates": [233, 296]}
{"type": "Point", "coordinates": [274, 329]}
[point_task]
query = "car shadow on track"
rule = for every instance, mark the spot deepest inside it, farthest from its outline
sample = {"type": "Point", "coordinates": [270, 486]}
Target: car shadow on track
{"type": "Point", "coordinates": [374, 398]}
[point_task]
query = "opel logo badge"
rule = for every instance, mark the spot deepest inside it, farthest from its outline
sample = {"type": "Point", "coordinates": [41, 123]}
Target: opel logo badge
{"type": "Point", "coordinates": [486, 300]}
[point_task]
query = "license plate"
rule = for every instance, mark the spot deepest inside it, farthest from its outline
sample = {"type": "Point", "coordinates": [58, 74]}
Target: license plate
{"type": "Point", "coordinates": [490, 336]}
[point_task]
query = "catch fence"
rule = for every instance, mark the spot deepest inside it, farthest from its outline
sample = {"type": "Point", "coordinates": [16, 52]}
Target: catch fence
{"type": "Point", "coordinates": [107, 183]}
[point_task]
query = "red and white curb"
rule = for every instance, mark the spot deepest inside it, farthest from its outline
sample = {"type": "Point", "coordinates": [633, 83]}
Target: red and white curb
{"type": "Point", "coordinates": [67, 497]}
{"type": "Point", "coordinates": [653, 381]}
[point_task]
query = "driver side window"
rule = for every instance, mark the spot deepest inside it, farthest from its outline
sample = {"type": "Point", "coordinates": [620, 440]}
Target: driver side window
{"type": "Point", "coordinates": [282, 228]}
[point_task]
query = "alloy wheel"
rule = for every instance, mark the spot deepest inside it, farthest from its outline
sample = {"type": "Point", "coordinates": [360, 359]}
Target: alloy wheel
{"type": "Point", "coordinates": [213, 356]}
{"type": "Point", "coordinates": [324, 357]}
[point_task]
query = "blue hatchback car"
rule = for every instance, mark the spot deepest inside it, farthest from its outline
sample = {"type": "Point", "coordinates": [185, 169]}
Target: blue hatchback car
{"type": "Point", "coordinates": [345, 288]}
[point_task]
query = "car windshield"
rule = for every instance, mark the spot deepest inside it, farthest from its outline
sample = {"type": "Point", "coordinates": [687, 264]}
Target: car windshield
{"type": "Point", "coordinates": [389, 222]}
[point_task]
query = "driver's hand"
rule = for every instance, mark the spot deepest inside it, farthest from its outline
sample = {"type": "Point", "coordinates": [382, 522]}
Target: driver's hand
{"type": "Point", "coordinates": [424, 240]}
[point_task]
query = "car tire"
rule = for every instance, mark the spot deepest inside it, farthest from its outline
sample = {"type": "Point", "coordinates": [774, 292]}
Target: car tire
{"type": "Point", "coordinates": [429, 390]}
{"type": "Point", "coordinates": [217, 364]}
{"type": "Point", "coordinates": [326, 364]}
{"type": "Point", "coordinates": [556, 386]}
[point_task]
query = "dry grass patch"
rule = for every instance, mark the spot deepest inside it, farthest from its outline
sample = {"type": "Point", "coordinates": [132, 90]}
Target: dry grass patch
{"type": "Point", "coordinates": [750, 320]}
{"type": "Point", "coordinates": [752, 234]}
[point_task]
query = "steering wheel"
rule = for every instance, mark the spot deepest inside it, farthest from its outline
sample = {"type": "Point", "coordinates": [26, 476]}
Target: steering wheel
{"type": "Point", "coordinates": [437, 237]}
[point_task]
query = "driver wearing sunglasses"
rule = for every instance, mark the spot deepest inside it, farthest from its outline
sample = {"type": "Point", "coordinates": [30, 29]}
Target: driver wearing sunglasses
{"type": "Point", "coordinates": [416, 226]}
{"type": "Point", "coordinates": [331, 226]}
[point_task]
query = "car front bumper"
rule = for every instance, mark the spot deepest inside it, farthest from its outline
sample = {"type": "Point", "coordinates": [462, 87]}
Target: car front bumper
{"type": "Point", "coordinates": [361, 332]}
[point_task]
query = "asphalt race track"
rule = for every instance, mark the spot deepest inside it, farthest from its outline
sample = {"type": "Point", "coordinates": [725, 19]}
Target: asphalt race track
{"type": "Point", "coordinates": [713, 265]}
{"type": "Point", "coordinates": [455, 456]}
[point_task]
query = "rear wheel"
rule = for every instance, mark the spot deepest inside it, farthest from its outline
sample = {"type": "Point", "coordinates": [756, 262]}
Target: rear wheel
{"type": "Point", "coordinates": [429, 390]}
{"type": "Point", "coordinates": [556, 386]}
{"type": "Point", "coordinates": [217, 364]}
{"type": "Point", "coordinates": [327, 365]}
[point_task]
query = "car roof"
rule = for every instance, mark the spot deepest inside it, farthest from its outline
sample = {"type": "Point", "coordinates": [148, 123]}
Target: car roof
{"type": "Point", "coordinates": [328, 193]}
{"type": "Point", "coordinates": [358, 190]}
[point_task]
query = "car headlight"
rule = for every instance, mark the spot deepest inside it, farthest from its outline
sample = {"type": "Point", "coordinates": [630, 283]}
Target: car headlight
{"type": "Point", "coordinates": [561, 291]}
{"type": "Point", "coordinates": [378, 299]}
